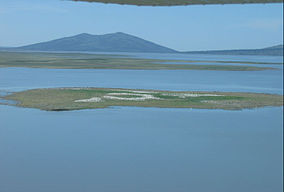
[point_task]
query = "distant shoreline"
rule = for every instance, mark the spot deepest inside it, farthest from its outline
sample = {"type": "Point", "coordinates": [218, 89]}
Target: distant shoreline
{"type": "Point", "coordinates": [101, 61]}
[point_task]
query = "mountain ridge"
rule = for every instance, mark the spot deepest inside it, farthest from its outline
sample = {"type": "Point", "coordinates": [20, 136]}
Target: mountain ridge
{"type": "Point", "coordinates": [123, 42]}
{"type": "Point", "coordinates": [112, 42]}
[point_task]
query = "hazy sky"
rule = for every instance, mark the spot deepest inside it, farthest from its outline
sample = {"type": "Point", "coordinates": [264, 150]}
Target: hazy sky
{"type": "Point", "coordinates": [183, 27]}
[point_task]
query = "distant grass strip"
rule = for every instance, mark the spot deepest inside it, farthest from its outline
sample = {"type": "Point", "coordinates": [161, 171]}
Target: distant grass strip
{"type": "Point", "coordinates": [180, 2]}
{"type": "Point", "coordinates": [64, 99]}
{"type": "Point", "coordinates": [98, 61]}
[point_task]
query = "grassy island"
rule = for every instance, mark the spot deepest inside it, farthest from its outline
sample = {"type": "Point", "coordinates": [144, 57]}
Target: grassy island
{"type": "Point", "coordinates": [100, 61]}
{"type": "Point", "coordinates": [63, 99]}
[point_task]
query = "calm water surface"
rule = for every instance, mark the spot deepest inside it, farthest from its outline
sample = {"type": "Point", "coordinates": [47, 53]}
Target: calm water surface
{"type": "Point", "coordinates": [141, 149]}
{"type": "Point", "coordinates": [270, 81]}
{"type": "Point", "coordinates": [127, 149]}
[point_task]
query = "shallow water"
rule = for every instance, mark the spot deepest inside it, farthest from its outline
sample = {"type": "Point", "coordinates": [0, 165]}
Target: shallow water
{"type": "Point", "coordinates": [274, 66]}
{"type": "Point", "coordinates": [8, 102]}
{"type": "Point", "coordinates": [126, 149]}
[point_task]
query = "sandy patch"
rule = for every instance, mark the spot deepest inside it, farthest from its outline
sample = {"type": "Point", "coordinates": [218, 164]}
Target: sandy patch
{"type": "Point", "coordinates": [93, 99]}
{"type": "Point", "coordinates": [140, 97]}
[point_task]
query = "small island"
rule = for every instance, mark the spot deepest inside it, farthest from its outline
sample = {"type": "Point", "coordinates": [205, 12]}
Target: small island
{"type": "Point", "coordinates": [64, 99]}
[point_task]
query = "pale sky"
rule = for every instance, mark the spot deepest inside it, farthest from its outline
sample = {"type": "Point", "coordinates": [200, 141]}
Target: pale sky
{"type": "Point", "coordinates": [184, 28]}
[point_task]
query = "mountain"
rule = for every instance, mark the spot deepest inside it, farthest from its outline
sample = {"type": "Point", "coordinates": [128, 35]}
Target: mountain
{"type": "Point", "coordinates": [114, 42]}
{"type": "Point", "coordinates": [273, 51]}
{"type": "Point", "coordinates": [122, 42]}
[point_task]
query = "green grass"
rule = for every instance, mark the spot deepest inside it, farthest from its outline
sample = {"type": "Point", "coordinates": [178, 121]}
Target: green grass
{"type": "Point", "coordinates": [60, 99]}
{"type": "Point", "coordinates": [96, 61]}
{"type": "Point", "coordinates": [180, 2]}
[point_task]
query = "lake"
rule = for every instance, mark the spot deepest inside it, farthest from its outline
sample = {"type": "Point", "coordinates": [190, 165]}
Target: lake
{"type": "Point", "coordinates": [126, 149]}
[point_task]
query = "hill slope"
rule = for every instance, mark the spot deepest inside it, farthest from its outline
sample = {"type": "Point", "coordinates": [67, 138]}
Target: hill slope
{"type": "Point", "coordinates": [114, 42]}
{"type": "Point", "coordinates": [273, 51]}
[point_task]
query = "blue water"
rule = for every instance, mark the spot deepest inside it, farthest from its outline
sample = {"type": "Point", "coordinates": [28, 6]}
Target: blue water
{"type": "Point", "coordinates": [126, 149]}
{"type": "Point", "coordinates": [141, 149]}
{"type": "Point", "coordinates": [270, 81]}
